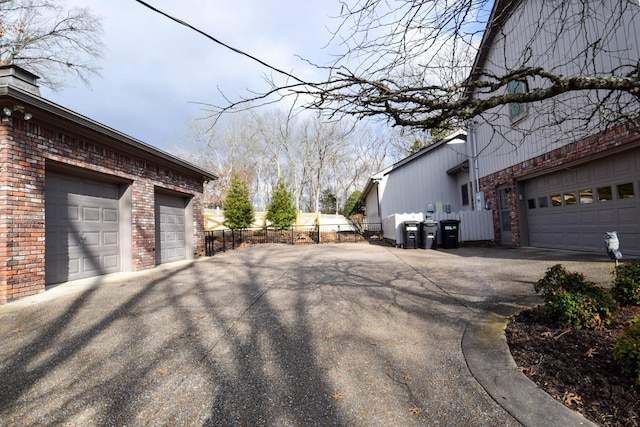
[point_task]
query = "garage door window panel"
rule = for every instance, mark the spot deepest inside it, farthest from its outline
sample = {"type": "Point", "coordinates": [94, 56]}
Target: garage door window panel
{"type": "Point", "coordinates": [556, 200]}
{"type": "Point", "coordinates": [625, 191]}
{"type": "Point", "coordinates": [586, 196]}
{"type": "Point", "coordinates": [569, 198]}
{"type": "Point", "coordinates": [604, 194]}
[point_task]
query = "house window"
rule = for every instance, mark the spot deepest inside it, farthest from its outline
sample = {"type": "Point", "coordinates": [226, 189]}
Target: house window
{"type": "Point", "coordinates": [465, 194]}
{"type": "Point", "coordinates": [517, 110]}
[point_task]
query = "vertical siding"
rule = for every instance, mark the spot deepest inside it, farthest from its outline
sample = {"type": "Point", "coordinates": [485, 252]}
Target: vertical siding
{"type": "Point", "coordinates": [551, 34]}
{"type": "Point", "coordinates": [424, 180]}
{"type": "Point", "coordinates": [474, 225]}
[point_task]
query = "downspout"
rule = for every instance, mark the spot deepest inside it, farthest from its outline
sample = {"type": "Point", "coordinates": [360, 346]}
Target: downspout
{"type": "Point", "coordinates": [474, 157]}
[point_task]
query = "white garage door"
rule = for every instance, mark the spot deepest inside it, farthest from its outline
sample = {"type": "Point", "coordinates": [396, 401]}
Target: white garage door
{"type": "Point", "coordinates": [170, 229]}
{"type": "Point", "coordinates": [82, 228]}
{"type": "Point", "coordinates": [573, 208]}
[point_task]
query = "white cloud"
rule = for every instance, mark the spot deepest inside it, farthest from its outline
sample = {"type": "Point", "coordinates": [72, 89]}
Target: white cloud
{"type": "Point", "coordinates": [154, 69]}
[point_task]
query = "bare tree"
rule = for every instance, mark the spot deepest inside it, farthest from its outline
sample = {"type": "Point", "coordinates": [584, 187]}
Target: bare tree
{"type": "Point", "coordinates": [53, 43]}
{"type": "Point", "coordinates": [409, 62]}
{"type": "Point", "coordinates": [307, 152]}
{"type": "Point", "coordinates": [228, 149]}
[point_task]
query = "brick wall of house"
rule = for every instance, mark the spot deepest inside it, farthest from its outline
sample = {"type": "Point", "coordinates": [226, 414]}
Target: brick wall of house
{"type": "Point", "coordinates": [575, 152]}
{"type": "Point", "coordinates": [26, 148]}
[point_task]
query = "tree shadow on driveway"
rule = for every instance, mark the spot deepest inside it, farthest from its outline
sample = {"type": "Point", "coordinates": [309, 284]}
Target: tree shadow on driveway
{"type": "Point", "coordinates": [322, 335]}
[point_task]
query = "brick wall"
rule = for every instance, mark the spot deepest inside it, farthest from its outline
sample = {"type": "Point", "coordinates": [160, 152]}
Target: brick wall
{"type": "Point", "coordinates": [581, 150]}
{"type": "Point", "coordinates": [26, 148]}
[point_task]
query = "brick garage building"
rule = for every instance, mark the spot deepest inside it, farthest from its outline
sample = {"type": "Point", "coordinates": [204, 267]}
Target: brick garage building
{"type": "Point", "coordinates": [78, 199]}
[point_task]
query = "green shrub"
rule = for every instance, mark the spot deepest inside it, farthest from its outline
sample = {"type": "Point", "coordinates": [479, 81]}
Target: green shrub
{"type": "Point", "coordinates": [626, 351]}
{"type": "Point", "coordinates": [572, 301]}
{"type": "Point", "coordinates": [626, 285]}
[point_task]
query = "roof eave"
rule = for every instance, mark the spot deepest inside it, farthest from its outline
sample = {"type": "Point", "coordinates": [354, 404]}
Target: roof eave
{"type": "Point", "coordinates": [72, 119]}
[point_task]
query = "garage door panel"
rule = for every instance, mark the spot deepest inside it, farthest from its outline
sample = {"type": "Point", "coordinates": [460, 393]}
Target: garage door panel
{"type": "Point", "coordinates": [110, 238]}
{"type": "Point", "coordinates": [74, 266]}
{"type": "Point", "coordinates": [90, 213]}
{"type": "Point", "coordinates": [588, 217]}
{"type": "Point", "coordinates": [607, 216]}
{"type": "Point", "coordinates": [601, 171]}
{"type": "Point", "coordinates": [71, 212]}
{"type": "Point", "coordinates": [624, 166]}
{"type": "Point", "coordinates": [110, 215]}
{"type": "Point", "coordinates": [583, 175]}
{"type": "Point", "coordinates": [82, 228]}
{"type": "Point", "coordinates": [111, 261]}
{"type": "Point", "coordinates": [628, 215]}
{"type": "Point", "coordinates": [91, 239]}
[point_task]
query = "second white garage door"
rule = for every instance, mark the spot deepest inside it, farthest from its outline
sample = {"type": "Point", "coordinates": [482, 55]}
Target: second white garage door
{"type": "Point", "coordinates": [171, 237]}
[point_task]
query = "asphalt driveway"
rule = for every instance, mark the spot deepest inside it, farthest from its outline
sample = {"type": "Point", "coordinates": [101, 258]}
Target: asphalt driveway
{"type": "Point", "coordinates": [344, 335]}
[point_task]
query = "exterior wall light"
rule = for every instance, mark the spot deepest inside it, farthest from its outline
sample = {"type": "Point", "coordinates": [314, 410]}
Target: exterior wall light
{"type": "Point", "coordinates": [8, 112]}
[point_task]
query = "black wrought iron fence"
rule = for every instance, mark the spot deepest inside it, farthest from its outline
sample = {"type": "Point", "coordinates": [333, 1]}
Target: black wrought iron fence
{"type": "Point", "coordinates": [222, 240]}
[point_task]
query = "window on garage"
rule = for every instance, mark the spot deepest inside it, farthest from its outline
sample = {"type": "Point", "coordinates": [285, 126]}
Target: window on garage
{"type": "Point", "coordinates": [586, 196]}
{"type": "Point", "coordinates": [625, 191]}
{"type": "Point", "coordinates": [570, 198]}
{"type": "Point", "coordinates": [604, 194]}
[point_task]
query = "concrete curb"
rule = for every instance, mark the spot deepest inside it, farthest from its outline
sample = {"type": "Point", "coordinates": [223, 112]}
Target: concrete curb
{"type": "Point", "coordinates": [486, 351]}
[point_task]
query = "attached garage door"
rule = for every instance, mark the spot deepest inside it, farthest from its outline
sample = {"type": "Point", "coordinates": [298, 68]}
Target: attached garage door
{"type": "Point", "coordinates": [572, 208]}
{"type": "Point", "coordinates": [171, 240]}
{"type": "Point", "coordinates": [82, 228]}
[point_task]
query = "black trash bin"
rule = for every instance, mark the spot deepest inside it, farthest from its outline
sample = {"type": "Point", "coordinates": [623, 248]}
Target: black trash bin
{"type": "Point", "coordinates": [449, 229]}
{"type": "Point", "coordinates": [428, 234]}
{"type": "Point", "coordinates": [411, 234]}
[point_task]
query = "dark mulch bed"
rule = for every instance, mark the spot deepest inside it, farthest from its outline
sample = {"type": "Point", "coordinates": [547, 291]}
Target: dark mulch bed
{"type": "Point", "coordinates": [576, 367]}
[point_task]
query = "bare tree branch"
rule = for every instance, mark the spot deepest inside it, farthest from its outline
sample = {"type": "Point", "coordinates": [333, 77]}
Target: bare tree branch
{"type": "Point", "coordinates": [49, 41]}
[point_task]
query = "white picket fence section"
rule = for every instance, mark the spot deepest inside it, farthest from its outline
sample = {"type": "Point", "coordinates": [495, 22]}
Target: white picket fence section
{"type": "Point", "coordinates": [474, 225]}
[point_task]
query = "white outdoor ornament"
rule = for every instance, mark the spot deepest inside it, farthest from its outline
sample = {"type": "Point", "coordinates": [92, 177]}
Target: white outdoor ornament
{"type": "Point", "coordinates": [612, 244]}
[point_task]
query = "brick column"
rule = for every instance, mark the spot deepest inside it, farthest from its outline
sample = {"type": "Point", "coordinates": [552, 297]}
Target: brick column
{"type": "Point", "coordinates": [22, 227]}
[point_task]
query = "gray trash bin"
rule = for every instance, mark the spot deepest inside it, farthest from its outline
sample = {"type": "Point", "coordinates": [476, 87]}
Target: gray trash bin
{"type": "Point", "coordinates": [411, 234]}
{"type": "Point", "coordinates": [428, 234]}
{"type": "Point", "coordinates": [449, 229]}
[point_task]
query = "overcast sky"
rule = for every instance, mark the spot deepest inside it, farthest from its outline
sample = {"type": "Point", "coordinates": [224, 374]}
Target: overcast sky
{"type": "Point", "coordinates": [155, 71]}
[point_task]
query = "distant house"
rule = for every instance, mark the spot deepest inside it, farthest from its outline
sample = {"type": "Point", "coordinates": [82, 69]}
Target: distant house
{"type": "Point", "coordinates": [79, 199]}
{"type": "Point", "coordinates": [431, 183]}
{"type": "Point", "coordinates": [545, 187]}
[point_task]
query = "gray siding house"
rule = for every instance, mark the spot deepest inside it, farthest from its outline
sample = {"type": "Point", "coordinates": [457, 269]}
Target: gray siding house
{"type": "Point", "coordinates": [433, 183]}
{"type": "Point", "coordinates": [555, 175]}
{"type": "Point", "coordinates": [547, 178]}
